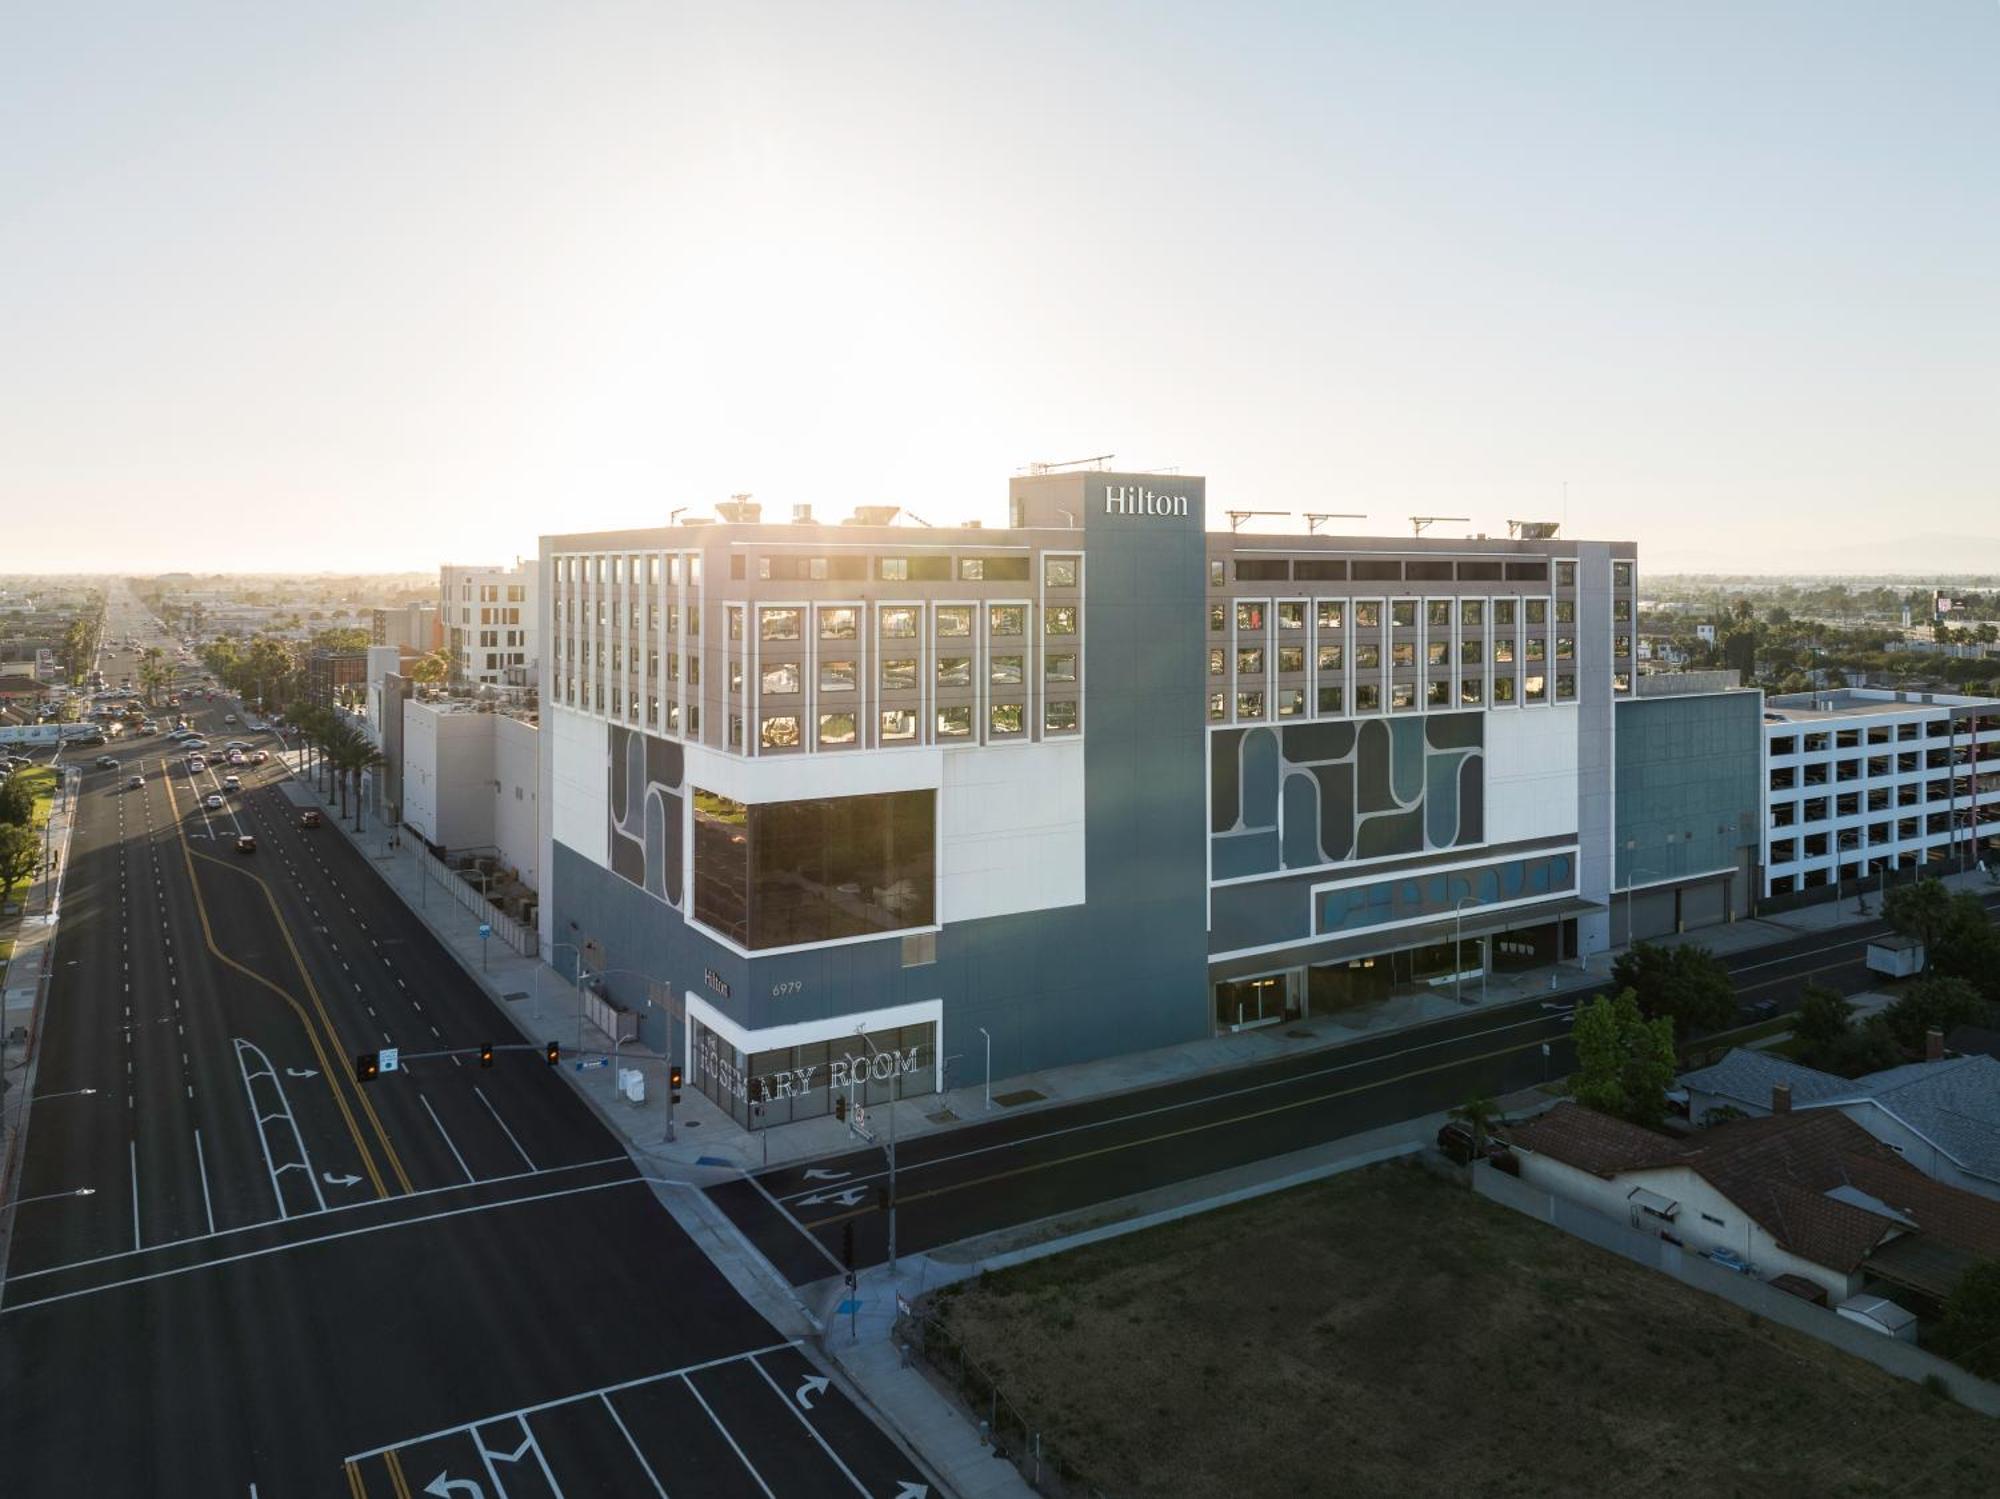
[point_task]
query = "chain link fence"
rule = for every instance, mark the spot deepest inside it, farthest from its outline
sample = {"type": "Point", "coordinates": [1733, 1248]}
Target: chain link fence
{"type": "Point", "coordinates": [1011, 1434]}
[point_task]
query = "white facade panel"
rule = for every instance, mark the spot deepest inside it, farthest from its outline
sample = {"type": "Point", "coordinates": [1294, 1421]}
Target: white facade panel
{"type": "Point", "coordinates": [448, 775]}
{"type": "Point", "coordinates": [516, 799]}
{"type": "Point", "coordinates": [1010, 826]}
{"type": "Point", "coordinates": [1531, 774]}
{"type": "Point", "coordinates": [789, 778]}
{"type": "Point", "coordinates": [579, 783]}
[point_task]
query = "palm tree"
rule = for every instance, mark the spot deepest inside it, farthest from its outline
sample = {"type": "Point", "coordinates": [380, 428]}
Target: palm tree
{"type": "Point", "coordinates": [1478, 1115]}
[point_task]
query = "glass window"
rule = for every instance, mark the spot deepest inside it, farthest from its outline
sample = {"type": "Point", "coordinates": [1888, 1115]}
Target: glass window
{"type": "Point", "coordinates": [898, 723]}
{"type": "Point", "coordinates": [1291, 702]}
{"type": "Point", "coordinates": [1565, 648]}
{"type": "Point", "coordinates": [1536, 648]}
{"type": "Point", "coordinates": [1402, 697]}
{"type": "Point", "coordinates": [1060, 666]}
{"type": "Point", "coordinates": [1215, 578]}
{"type": "Point", "coordinates": [1565, 611]}
{"type": "Point", "coordinates": [954, 723]}
{"type": "Point", "coordinates": [837, 624]}
{"type": "Point", "coordinates": [1250, 616]}
{"type": "Point", "coordinates": [735, 616]}
{"type": "Point", "coordinates": [1367, 697]}
{"type": "Point", "coordinates": [1218, 705]}
{"type": "Point", "coordinates": [778, 624]}
{"type": "Point", "coordinates": [1005, 718]}
{"type": "Point", "coordinates": [954, 620]}
{"type": "Point", "coordinates": [954, 671]}
{"type": "Point", "coordinates": [1437, 694]}
{"type": "Point", "coordinates": [1503, 650]}
{"type": "Point", "coordinates": [1472, 611]}
{"type": "Point", "coordinates": [893, 569]}
{"type": "Point", "coordinates": [1218, 619]}
{"type": "Point", "coordinates": [972, 569]}
{"type": "Point", "coordinates": [1535, 688]}
{"type": "Point", "coordinates": [1403, 614]}
{"type": "Point", "coordinates": [1471, 691]}
{"type": "Point", "coordinates": [1329, 658]}
{"type": "Point", "coordinates": [1403, 653]}
{"type": "Point", "coordinates": [899, 623]}
{"type": "Point", "coordinates": [1329, 698]}
{"type": "Point", "coordinates": [1059, 619]}
{"type": "Point", "coordinates": [1621, 646]}
{"type": "Point", "coordinates": [1330, 611]}
{"type": "Point", "coordinates": [1250, 663]}
{"type": "Point", "coordinates": [1004, 619]}
{"type": "Point", "coordinates": [1566, 688]}
{"type": "Point", "coordinates": [1471, 651]}
{"type": "Point", "coordinates": [1438, 653]}
{"type": "Point", "coordinates": [1367, 616]}
{"type": "Point", "coordinates": [1059, 715]}
{"type": "Point", "coordinates": [1218, 662]}
{"type": "Point", "coordinates": [1292, 616]}
{"type": "Point", "coordinates": [899, 674]}
{"type": "Point", "coordinates": [783, 677]}
{"type": "Point", "coordinates": [1503, 612]}
{"type": "Point", "coordinates": [1249, 705]}
{"type": "Point", "coordinates": [1503, 689]}
{"type": "Point", "coordinates": [1621, 610]}
{"type": "Point", "coordinates": [1437, 614]}
{"type": "Point", "coordinates": [1565, 575]}
{"type": "Point", "coordinates": [837, 676]}
{"type": "Point", "coordinates": [1538, 611]}
{"type": "Point", "coordinates": [1059, 572]}
{"type": "Point", "coordinates": [1621, 575]}
{"type": "Point", "coordinates": [1368, 657]}
{"type": "Point", "coordinates": [781, 732]}
{"type": "Point", "coordinates": [836, 728]}
{"type": "Point", "coordinates": [1291, 658]}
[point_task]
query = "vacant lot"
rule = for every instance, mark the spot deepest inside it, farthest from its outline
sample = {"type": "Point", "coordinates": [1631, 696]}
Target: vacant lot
{"type": "Point", "coordinates": [1385, 1333]}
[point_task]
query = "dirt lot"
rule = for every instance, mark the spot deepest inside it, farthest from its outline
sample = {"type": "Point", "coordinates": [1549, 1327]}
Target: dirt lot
{"type": "Point", "coordinates": [1386, 1333]}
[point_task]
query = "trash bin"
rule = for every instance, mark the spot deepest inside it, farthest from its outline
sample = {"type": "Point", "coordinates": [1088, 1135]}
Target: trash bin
{"type": "Point", "coordinates": [632, 1083]}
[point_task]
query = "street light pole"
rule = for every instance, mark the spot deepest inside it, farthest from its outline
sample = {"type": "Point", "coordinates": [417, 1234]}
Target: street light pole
{"type": "Point", "coordinates": [895, 1097]}
{"type": "Point", "coordinates": [989, 1066]}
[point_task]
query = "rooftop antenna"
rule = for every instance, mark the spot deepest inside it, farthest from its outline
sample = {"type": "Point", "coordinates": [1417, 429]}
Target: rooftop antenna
{"type": "Point", "coordinates": [1418, 522]}
{"type": "Point", "coordinates": [919, 520]}
{"type": "Point", "coordinates": [1314, 517]}
{"type": "Point", "coordinates": [1095, 460]}
{"type": "Point", "coordinates": [1237, 517]}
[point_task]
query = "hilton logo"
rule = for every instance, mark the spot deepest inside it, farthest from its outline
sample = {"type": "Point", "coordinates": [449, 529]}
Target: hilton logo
{"type": "Point", "coordinates": [1133, 499]}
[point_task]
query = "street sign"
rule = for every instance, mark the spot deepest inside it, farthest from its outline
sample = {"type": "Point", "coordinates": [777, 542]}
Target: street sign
{"type": "Point", "coordinates": [388, 1057]}
{"type": "Point", "coordinates": [485, 928]}
{"type": "Point", "coordinates": [593, 1062]}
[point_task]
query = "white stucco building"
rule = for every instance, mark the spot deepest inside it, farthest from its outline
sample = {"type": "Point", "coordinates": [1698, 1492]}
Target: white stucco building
{"type": "Point", "coordinates": [472, 782]}
{"type": "Point", "coordinates": [489, 623]}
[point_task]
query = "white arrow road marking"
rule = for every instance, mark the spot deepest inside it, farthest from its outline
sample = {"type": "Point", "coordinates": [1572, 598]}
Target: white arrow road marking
{"type": "Point", "coordinates": [444, 1487]}
{"type": "Point", "coordinates": [846, 1199]}
{"type": "Point", "coordinates": [911, 1490]}
{"type": "Point", "coordinates": [815, 1174]}
{"type": "Point", "coordinates": [815, 1384]}
{"type": "Point", "coordinates": [338, 1181]}
{"type": "Point", "coordinates": [301, 1072]}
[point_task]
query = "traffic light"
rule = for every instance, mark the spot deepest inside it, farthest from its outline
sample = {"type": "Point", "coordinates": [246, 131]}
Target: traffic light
{"type": "Point", "coordinates": [840, 1107]}
{"type": "Point", "coordinates": [486, 1053]}
{"type": "Point", "coordinates": [847, 1245]}
{"type": "Point", "coordinates": [555, 1054]}
{"type": "Point", "coordinates": [674, 1082]}
{"type": "Point", "coordinates": [366, 1065]}
{"type": "Point", "coordinates": [881, 1197]}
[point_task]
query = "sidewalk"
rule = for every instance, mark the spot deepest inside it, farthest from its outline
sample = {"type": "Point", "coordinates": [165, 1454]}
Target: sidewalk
{"type": "Point", "coordinates": [24, 989]}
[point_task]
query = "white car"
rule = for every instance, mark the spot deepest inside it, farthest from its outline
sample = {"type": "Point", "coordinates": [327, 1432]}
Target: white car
{"type": "Point", "coordinates": [231, 783]}
{"type": "Point", "coordinates": [229, 718]}
{"type": "Point", "coordinates": [212, 801]}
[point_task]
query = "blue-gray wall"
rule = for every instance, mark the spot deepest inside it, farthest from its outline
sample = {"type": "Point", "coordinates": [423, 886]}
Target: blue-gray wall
{"type": "Point", "coordinates": [1687, 765]}
{"type": "Point", "coordinates": [1125, 971]}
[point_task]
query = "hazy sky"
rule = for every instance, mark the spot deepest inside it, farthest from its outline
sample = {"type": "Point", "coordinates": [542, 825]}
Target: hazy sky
{"type": "Point", "coordinates": [389, 284]}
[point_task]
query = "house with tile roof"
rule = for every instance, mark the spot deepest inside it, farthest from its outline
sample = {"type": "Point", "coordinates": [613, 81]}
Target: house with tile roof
{"type": "Point", "coordinates": [1941, 1115]}
{"type": "Point", "coordinates": [1808, 1193]}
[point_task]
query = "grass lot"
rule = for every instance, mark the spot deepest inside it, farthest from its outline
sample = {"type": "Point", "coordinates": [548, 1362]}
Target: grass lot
{"type": "Point", "coordinates": [42, 780]}
{"type": "Point", "coordinates": [1386, 1333]}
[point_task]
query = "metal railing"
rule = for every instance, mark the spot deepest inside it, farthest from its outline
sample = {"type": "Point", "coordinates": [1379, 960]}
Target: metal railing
{"type": "Point", "coordinates": [1001, 1424]}
{"type": "Point", "coordinates": [521, 939]}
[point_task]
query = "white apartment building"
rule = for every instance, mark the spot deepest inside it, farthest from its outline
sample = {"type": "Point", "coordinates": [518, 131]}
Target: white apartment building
{"type": "Point", "coordinates": [1858, 781]}
{"type": "Point", "coordinates": [489, 623]}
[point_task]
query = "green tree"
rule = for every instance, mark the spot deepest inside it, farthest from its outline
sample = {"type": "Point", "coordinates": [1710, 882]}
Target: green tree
{"type": "Point", "coordinates": [1685, 983]}
{"type": "Point", "coordinates": [1478, 1114]}
{"type": "Point", "coordinates": [1939, 1002]}
{"type": "Point", "coordinates": [1968, 946]}
{"type": "Point", "coordinates": [1625, 1062]}
{"type": "Point", "coordinates": [17, 801]}
{"type": "Point", "coordinates": [430, 668]}
{"type": "Point", "coordinates": [1921, 910]}
{"type": "Point", "coordinates": [20, 852]}
{"type": "Point", "coordinates": [1969, 1334]}
{"type": "Point", "coordinates": [1822, 1018]}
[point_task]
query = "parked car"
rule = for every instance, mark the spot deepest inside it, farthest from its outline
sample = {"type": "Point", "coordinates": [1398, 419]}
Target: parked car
{"type": "Point", "coordinates": [232, 783]}
{"type": "Point", "coordinates": [245, 844]}
{"type": "Point", "coordinates": [309, 818]}
{"type": "Point", "coordinates": [195, 743]}
{"type": "Point", "coordinates": [1729, 1259]}
{"type": "Point", "coordinates": [229, 718]}
{"type": "Point", "coordinates": [213, 801]}
{"type": "Point", "coordinates": [1762, 1009]}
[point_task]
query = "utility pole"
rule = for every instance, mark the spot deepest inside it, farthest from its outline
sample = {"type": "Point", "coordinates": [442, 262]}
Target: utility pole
{"type": "Point", "coordinates": [895, 1092]}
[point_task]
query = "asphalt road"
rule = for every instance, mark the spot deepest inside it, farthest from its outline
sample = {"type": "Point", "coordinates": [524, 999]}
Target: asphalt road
{"type": "Point", "coordinates": [285, 1282]}
{"type": "Point", "coordinates": [1018, 1168]}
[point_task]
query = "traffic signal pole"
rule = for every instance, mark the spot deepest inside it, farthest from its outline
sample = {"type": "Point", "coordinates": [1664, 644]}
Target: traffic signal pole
{"type": "Point", "coordinates": [895, 1092]}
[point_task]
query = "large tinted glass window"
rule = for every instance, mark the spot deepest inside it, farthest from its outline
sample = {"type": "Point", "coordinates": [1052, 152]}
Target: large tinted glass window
{"type": "Point", "coordinates": [722, 865]}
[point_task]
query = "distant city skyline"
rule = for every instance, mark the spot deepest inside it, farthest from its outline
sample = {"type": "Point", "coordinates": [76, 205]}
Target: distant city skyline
{"type": "Point", "coordinates": [386, 289]}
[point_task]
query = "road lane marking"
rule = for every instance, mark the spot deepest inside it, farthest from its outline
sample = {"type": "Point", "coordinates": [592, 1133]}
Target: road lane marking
{"type": "Point", "coordinates": [789, 1404]}
{"type": "Point", "coordinates": [201, 1164]}
{"type": "Point", "coordinates": [640, 1457]}
{"type": "Point", "coordinates": [345, 1233]}
{"type": "Point", "coordinates": [503, 1127]}
{"type": "Point", "coordinates": [134, 1147]}
{"type": "Point", "coordinates": [447, 1138]}
{"type": "Point", "coordinates": [748, 1466]}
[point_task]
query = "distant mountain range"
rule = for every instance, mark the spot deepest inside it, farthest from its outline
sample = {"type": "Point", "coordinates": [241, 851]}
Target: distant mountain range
{"type": "Point", "coordinates": [1926, 555]}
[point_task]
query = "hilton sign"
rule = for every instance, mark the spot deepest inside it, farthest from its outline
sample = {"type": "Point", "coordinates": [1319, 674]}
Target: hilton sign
{"type": "Point", "coordinates": [1136, 499]}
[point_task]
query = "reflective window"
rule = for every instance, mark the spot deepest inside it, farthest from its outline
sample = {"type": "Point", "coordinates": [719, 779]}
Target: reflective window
{"type": "Point", "coordinates": [1534, 688]}
{"type": "Point", "coordinates": [1249, 705]}
{"type": "Point", "coordinates": [1565, 648]}
{"type": "Point", "coordinates": [778, 624]}
{"type": "Point", "coordinates": [1503, 689]}
{"type": "Point", "coordinates": [954, 671]}
{"type": "Point", "coordinates": [1438, 653]}
{"type": "Point", "coordinates": [1250, 617]}
{"type": "Point", "coordinates": [1367, 616]}
{"type": "Point", "coordinates": [1621, 610]}
{"type": "Point", "coordinates": [1218, 619]}
{"type": "Point", "coordinates": [836, 728]}
{"type": "Point", "coordinates": [1329, 658]}
{"type": "Point", "coordinates": [837, 624]}
{"type": "Point", "coordinates": [893, 569]}
{"type": "Point", "coordinates": [1403, 653]}
{"type": "Point", "coordinates": [1291, 702]}
{"type": "Point", "coordinates": [1006, 718]}
{"type": "Point", "coordinates": [1403, 614]}
{"type": "Point", "coordinates": [1471, 691]}
{"type": "Point", "coordinates": [1250, 663]}
{"type": "Point", "coordinates": [1218, 662]}
{"type": "Point", "coordinates": [954, 723]}
{"type": "Point", "coordinates": [899, 623]}
{"type": "Point", "coordinates": [1059, 715]}
{"type": "Point", "coordinates": [1368, 657]}
{"type": "Point", "coordinates": [1329, 698]}
{"type": "Point", "coordinates": [898, 675]}
{"type": "Point", "coordinates": [781, 678]}
{"type": "Point", "coordinates": [1565, 575]}
{"type": "Point", "coordinates": [1566, 688]}
{"type": "Point", "coordinates": [1437, 614]}
{"type": "Point", "coordinates": [1292, 616]}
{"type": "Point", "coordinates": [1471, 611]}
{"type": "Point", "coordinates": [1565, 611]}
{"type": "Point", "coordinates": [1621, 575]}
{"type": "Point", "coordinates": [1471, 651]}
{"type": "Point", "coordinates": [972, 569]}
{"type": "Point", "coordinates": [1536, 648]}
{"type": "Point", "coordinates": [1004, 619]}
{"type": "Point", "coordinates": [837, 676]}
{"type": "Point", "coordinates": [898, 723]}
{"type": "Point", "coordinates": [1060, 667]}
{"type": "Point", "coordinates": [1060, 619]}
{"type": "Point", "coordinates": [1059, 572]}
{"type": "Point", "coordinates": [954, 620]}
{"type": "Point", "coordinates": [1503, 650]}
{"type": "Point", "coordinates": [1403, 696]}
{"type": "Point", "coordinates": [1006, 670]}
{"type": "Point", "coordinates": [1437, 694]}
{"type": "Point", "coordinates": [781, 732]}
{"type": "Point", "coordinates": [1218, 706]}
{"type": "Point", "coordinates": [1291, 658]}
{"type": "Point", "coordinates": [1538, 611]}
{"type": "Point", "coordinates": [1329, 611]}
{"type": "Point", "coordinates": [1367, 697]}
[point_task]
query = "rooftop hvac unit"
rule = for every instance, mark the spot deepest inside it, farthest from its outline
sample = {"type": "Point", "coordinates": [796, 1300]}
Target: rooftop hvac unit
{"type": "Point", "coordinates": [741, 509]}
{"type": "Point", "coordinates": [876, 515]}
{"type": "Point", "coordinates": [802, 515]}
